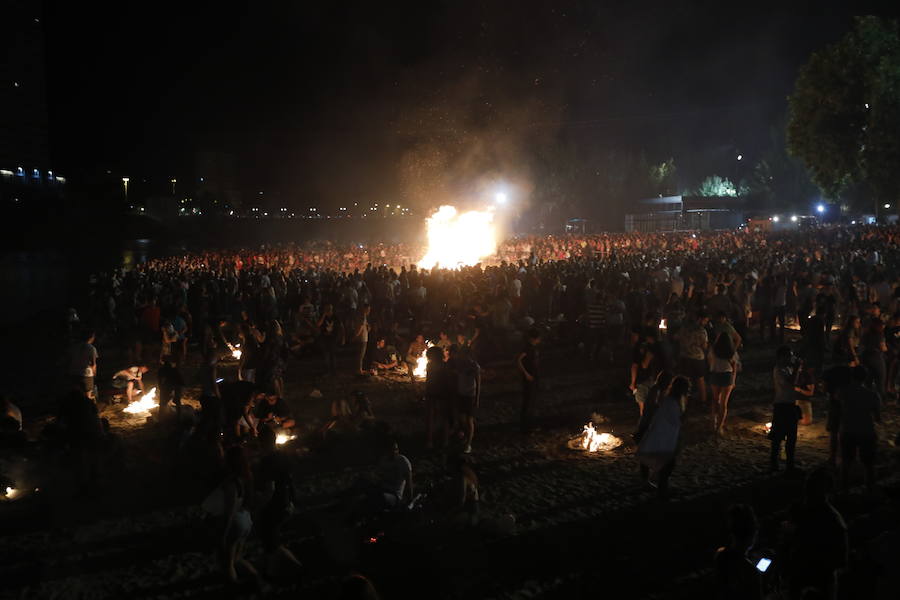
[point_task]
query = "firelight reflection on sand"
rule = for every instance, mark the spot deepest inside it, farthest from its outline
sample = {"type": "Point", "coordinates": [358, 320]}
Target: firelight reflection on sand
{"type": "Point", "coordinates": [459, 239]}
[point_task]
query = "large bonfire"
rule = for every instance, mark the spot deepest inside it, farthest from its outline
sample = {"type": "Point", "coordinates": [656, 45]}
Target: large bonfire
{"type": "Point", "coordinates": [459, 239]}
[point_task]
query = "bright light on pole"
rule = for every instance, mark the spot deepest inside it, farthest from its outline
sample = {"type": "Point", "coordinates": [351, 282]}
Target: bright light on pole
{"type": "Point", "coordinates": [125, 187]}
{"type": "Point", "coordinates": [887, 205]}
{"type": "Point", "coordinates": [820, 208]}
{"type": "Point", "coordinates": [775, 219]}
{"type": "Point", "coordinates": [793, 218]}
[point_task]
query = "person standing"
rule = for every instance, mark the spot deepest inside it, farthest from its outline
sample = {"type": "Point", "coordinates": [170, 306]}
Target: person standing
{"type": "Point", "coordinates": [468, 392]}
{"type": "Point", "coordinates": [328, 325]}
{"type": "Point", "coordinates": [692, 344]}
{"type": "Point", "coordinates": [361, 335]}
{"type": "Point", "coordinates": [436, 400]}
{"type": "Point", "coordinates": [785, 413]}
{"type": "Point", "coordinates": [872, 348]}
{"type": "Point", "coordinates": [171, 385]}
{"type": "Point", "coordinates": [528, 362]}
{"type": "Point", "coordinates": [83, 364]}
{"type": "Point", "coordinates": [860, 410]}
{"type": "Point", "coordinates": [722, 374]}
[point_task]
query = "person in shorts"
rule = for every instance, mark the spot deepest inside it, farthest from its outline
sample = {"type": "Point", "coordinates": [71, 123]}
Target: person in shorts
{"type": "Point", "coordinates": [693, 342]}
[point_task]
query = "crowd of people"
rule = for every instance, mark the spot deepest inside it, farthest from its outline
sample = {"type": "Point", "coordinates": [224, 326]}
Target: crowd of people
{"type": "Point", "coordinates": [685, 304]}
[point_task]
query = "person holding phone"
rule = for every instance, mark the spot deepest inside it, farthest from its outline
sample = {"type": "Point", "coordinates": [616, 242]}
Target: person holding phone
{"type": "Point", "coordinates": [737, 576]}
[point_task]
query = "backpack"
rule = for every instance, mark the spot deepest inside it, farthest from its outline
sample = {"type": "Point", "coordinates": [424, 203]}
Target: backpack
{"type": "Point", "coordinates": [467, 378]}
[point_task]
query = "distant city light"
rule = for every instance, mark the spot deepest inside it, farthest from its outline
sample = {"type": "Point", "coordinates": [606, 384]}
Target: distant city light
{"type": "Point", "coordinates": [793, 218]}
{"type": "Point", "coordinates": [775, 218]}
{"type": "Point", "coordinates": [820, 208]}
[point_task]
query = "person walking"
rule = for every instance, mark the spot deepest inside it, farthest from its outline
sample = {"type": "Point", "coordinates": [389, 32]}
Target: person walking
{"type": "Point", "coordinates": [660, 444]}
{"type": "Point", "coordinates": [722, 374]}
{"type": "Point", "coordinates": [785, 413]}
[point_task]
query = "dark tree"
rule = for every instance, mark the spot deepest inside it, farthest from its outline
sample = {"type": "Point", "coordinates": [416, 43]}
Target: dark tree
{"type": "Point", "coordinates": [845, 113]}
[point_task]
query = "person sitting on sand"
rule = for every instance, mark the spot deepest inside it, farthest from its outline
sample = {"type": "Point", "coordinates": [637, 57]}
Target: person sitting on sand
{"type": "Point", "coordinates": [273, 412]}
{"type": "Point", "coordinates": [736, 575]}
{"type": "Point", "coordinates": [384, 357]}
{"type": "Point", "coordinates": [130, 380]}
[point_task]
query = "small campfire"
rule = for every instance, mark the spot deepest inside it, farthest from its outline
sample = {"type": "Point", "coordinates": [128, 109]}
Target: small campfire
{"type": "Point", "coordinates": [284, 438]}
{"type": "Point", "coordinates": [768, 427]}
{"type": "Point", "coordinates": [592, 440]}
{"type": "Point", "coordinates": [11, 493]}
{"type": "Point", "coordinates": [422, 363]}
{"type": "Point", "coordinates": [144, 405]}
{"type": "Point", "coordinates": [235, 351]}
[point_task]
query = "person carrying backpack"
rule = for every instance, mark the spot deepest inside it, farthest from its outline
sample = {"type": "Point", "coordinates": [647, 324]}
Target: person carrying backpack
{"type": "Point", "coordinates": [468, 391]}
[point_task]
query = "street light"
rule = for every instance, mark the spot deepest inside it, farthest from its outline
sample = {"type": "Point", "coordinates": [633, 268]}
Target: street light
{"type": "Point", "coordinates": [793, 218]}
{"type": "Point", "coordinates": [173, 181]}
{"type": "Point", "coordinates": [887, 205]}
{"type": "Point", "coordinates": [775, 219]}
{"type": "Point", "coordinates": [820, 208]}
{"type": "Point", "coordinates": [125, 186]}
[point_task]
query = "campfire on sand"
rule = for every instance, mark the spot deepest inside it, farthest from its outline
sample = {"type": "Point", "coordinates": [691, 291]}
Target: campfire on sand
{"type": "Point", "coordinates": [592, 440]}
{"type": "Point", "coordinates": [144, 405]}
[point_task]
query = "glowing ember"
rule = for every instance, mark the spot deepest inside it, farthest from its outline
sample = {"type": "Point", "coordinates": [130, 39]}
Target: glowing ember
{"type": "Point", "coordinates": [236, 352]}
{"type": "Point", "coordinates": [459, 239]}
{"type": "Point", "coordinates": [147, 402]}
{"type": "Point", "coordinates": [284, 438]}
{"type": "Point", "coordinates": [594, 441]}
{"type": "Point", "coordinates": [768, 427]}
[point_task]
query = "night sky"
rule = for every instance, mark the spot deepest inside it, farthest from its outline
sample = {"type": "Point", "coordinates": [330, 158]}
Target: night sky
{"type": "Point", "coordinates": [364, 100]}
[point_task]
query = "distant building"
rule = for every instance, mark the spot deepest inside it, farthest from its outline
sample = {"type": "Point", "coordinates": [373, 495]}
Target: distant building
{"type": "Point", "coordinates": [25, 168]}
{"type": "Point", "coordinates": [686, 213]}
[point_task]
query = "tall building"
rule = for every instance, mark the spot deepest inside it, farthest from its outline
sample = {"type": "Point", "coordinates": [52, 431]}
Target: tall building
{"type": "Point", "coordinates": [25, 168]}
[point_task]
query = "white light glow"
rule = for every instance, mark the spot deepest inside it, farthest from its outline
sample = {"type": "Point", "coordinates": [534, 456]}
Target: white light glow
{"type": "Point", "coordinates": [775, 218]}
{"type": "Point", "coordinates": [501, 197]}
{"type": "Point", "coordinates": [820, 208]}
{"type": "Point", "coordinates": [456, 239]}
{"type": "Point", "coordinates": [793, 218]}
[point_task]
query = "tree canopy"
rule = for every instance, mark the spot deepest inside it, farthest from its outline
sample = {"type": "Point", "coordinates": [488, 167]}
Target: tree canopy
{"type": "Point", "coordinates": [845, 113]}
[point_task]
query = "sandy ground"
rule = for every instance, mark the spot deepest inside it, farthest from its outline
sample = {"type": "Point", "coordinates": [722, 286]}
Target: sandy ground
{"type": "Point", "coordinates": [580, 519]}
